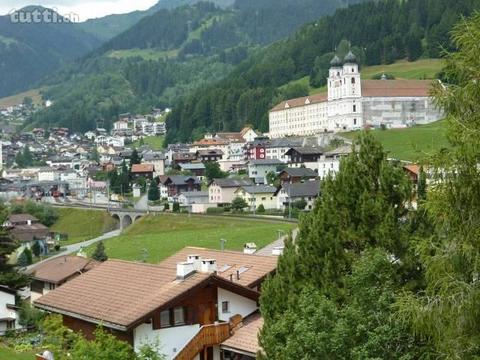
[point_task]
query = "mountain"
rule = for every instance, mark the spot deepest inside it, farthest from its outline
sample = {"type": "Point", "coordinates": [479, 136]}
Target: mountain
{"type": "Point", "coordinates": [108, 27]}
{"type": "Point", "coordinates": [168, 55]}
{"type": "Point", "coordinates": [380, 32]}
{"type": "Point", "coordinates": [28, 51]}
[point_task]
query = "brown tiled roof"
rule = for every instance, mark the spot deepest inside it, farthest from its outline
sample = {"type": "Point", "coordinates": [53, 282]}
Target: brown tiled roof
{"type": "Point", "coordinates": [29, 232]}
{"type": "Point", "coordinates": [142, 168]}
{"type": "Point", "coordinates": [396, 88]}
{"type": "Point", "coordinates": [245, 339]}
{"type": "Point", "coordinates": [413, 168]}
{"type": "Point", "coordinates": [19, 218]}
{"type": "Point", "coordinates": [302, 101]}
{"type": "Point", "coordinates": [119, 293]}
{"type": "Point", "coordinates": [209, 142]}
{"type": "Point", "coordinates": [60, 269]}
{"type": "Point", "coordinates": [258, 266]}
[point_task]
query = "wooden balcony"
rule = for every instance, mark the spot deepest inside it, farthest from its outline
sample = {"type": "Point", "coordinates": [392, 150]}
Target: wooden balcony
{"type": "Point", "coordinates": [209, 335]}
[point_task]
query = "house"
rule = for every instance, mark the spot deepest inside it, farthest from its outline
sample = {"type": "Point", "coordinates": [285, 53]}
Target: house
{"type": "Point", "coordinates": [222, 191]}
{"type": "Point", "coordinates": [183, 158]}
{"type": "Point", "coordinates": [48, 174]}
{"type": "Point", "coordinates": [190, 303]}
{"type": "Point", "coordinates": [257, 195]}
{"type": "Point", "coordinates": [157, 159]}
{"type": "Point", "coordinates": [142, 170]}
{"type": "Point", "coordinates": [8, 310]}
{"type": "Point", "coordinates": [197, 169]}
{"type": "Point", "coordinates": [413, 172]}
{"type": "Point", "coordinates": [288, 194]}
{"type": "Point", "coordinates": [243, 344]}
{"type": "Point", "coordinates": [329, 162]}
{"type": "Point", "coordinates": [193, 197]}
{"type": "Point", "coordinates": [209, 155]}
{"type": "Point", "coordinates": [178, 184]}
{"type": "Point", "coordinates": [259, 169]}
{"type": "Point", "coordinates": [27, 229]}
{"type": "Point", "coordinates": [296, 175]}
{"type": "Point", "coordinates": [53, 273]}
{"type": "Point", "coordinates": [301, 155]}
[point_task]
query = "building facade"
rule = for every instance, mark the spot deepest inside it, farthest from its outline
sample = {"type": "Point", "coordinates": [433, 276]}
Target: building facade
{"type": "Point", "coordinates": [352, 103]}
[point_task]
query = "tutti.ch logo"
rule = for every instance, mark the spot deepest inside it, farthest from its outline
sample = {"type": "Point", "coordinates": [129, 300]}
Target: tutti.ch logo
{"type": "Point", "coordinates": [41, 16]}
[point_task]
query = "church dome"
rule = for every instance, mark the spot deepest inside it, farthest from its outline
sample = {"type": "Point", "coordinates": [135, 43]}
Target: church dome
{"type": "Point", "coordinates": [336, 62]}
{"type": "Point", "coordinates": [350, 58]}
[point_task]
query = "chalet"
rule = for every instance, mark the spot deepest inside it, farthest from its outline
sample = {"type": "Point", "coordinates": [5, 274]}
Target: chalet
{"type": "Point", "coordinates": [27, 229]}
{"type": "Point", "coordinates": [178, 184]}
{"type": "Point", "coordinates": [296, 175]}
{"type": "Point", "coordinates": [257, 195]}
{"type": "Point", "coordinates": [259, 169]}
{"type": "Point", "coordinates": [197, 169]}
{"type": "Point", "coordinates": [8, 310]}
{"type": "Point", "coordinates": [222, 191]}
{"type": "Point", "coordinates": [329, 162]}
{"type": "Point", "coordinates": [53, 273]}
{"type": "Point", "coordinates": [289, 193]}
{"type": "Point", "coordinates": [193, 197]}
{"type": "Point", "coordinates": [183, 158]}
{"type": "Point", "coordinates": [413, 172]}
{"type": "Point", "coordinates": [191, 302]}
{"type": "Point", "coordinates": [143, 170]}
{"type": "Point", "coordinates": [301, 155]}
{"type": "Point", "coordinates": [209, 155]}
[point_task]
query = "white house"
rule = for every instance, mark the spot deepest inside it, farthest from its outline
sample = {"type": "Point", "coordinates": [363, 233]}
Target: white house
{"type": "Point", "coordinates": [259, 169]}
{"type": "Point", "coordinates": [9, 318]}
{"type": "Point", "coordinates": [222, 191]}
{"type": "Point", "coordinates": [48, 174]}
{"type": "Point", "coordinates": [329, 162]}
{"type": "Point", "coordinates": [288, 193]}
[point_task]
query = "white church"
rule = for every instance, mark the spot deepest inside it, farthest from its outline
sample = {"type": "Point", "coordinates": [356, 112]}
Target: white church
{"type": "Point", "coordinates": [352, 103]}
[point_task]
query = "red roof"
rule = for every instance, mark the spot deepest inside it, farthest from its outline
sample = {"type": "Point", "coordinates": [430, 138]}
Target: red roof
{"type": "Point", "coordinates": [396, 88]}
{"type": "Point", "coordinates": [142, 168]}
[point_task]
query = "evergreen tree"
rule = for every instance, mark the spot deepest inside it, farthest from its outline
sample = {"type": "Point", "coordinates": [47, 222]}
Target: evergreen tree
{"type": "Point", "coordinates": [213, 171]}
{"type": "Point", "coordinates": [99, 254]}
{"type": "Point", "coordinates": [446, 311]}
{"type": "Point", "coordinates": [36, 249]}
{"type": "Point", "coordinates": [362, 211]}
{"type": "Point", "coordinates": [135, 158]}
{"type": "Point", "coordinates": [238, 204]}
{"type": "Point", "coordinates": [153, 191]}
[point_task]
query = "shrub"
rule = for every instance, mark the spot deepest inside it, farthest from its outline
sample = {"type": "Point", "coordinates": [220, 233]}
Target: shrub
{"type": "Point", "coordinates": [215, 210]}
{"type": "Point", "coordinates": [176, 207]}
{"type": "Point", "coordinates": [261, 209]}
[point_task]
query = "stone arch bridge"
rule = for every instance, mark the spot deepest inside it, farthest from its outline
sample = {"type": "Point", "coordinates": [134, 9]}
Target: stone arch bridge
{"type": "Point", "coordinates": [126, 217]}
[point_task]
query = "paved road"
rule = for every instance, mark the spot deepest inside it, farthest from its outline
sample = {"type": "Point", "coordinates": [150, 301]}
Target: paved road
{"type": "Point", "coordinates": [267, 250]}
{"type": "Point", "coordinates": [70, 249]}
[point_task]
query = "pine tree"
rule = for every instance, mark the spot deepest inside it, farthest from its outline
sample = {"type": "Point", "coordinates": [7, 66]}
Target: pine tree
{"type": "Point", "coordinates": [153, 191]}
{"type": "Point", "coordinates": [99, 254]}
{"type": "Point", "coordinates": [135, 158]}
{"type": "Point", "coordinates": [446, 311]}
{"type": "Point", "coordinates": [36, 249]}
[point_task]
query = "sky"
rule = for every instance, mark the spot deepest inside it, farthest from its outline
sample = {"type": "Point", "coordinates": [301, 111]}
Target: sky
{"type": "Point", "coordinates": [85, 9]}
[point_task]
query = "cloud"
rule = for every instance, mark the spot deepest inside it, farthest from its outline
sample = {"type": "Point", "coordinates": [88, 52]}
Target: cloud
{"type": "Point", "coordinates": [86, 9]}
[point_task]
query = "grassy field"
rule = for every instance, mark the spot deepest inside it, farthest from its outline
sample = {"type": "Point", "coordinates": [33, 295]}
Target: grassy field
{"type": "Point", "coordinates": [420, 69]}
{"type": "Point", "coordinates": [155, 142]}
{"type": "Point", "coordinates": [83, 225]}
{"type": "Point", "coordinates": [8, 354]}
{"type": "Point", "coordinates": [18, 99]}
{"type": "Point", "coordinates": [411, 144]}
{"type": "Point", "coordinates": [154, 238]}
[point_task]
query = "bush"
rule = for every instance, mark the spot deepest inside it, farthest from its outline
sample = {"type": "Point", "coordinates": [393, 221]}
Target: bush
{"type": "Point", "coordinates": [57, 247]}
{"type": "Point", "coordinates": [167, 206]}
{"type": "Point", "coordinates": [176, 207]}
{"type": "Point", "coordinates": [215, 210]}
{"type": "Point", "coordinates": [261, 209]}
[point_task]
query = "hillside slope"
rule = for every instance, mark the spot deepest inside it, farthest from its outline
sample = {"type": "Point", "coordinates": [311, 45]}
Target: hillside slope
{"type": "Point", "coordinates": [28, 51]}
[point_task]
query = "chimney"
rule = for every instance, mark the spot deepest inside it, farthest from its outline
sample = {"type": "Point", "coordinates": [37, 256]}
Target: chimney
{"type": "Point", "coordinates": [277, 250]}
{"type": "Point", "coordinates": [184, 270]}
{"type": "Point", "coordinates": [250, 248]}
{"type": "Point", "coordinates": [209, 266]}
{"type": "Point", "coordinates": [196, 260]}
{"type": "Point", "coordinates": [238, 275]}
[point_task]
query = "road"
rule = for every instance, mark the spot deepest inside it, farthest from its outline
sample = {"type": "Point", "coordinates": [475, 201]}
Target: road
{"type": "Point", "coordinates": [74, 248]}
{"type": "Point", "coordinates": [267, 250]}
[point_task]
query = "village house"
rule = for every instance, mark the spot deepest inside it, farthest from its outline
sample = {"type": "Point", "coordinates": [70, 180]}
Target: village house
{"type": "Point", "coordinates": [8, 311]}
{"type": "Point", "coordinates": [27, 229]}
{"type": "Point", "coordinates": [296, 175]}
{"type": "Point", "coordinates": [53, 273]}
{"type": "Point", "coordinates": [222, 191]}
{"type": "Point", "coordinates": [259, 169]}
{"type": "Point", "coordinates": [157, 159]}
{"type": "Point", "coordinates": [209, 155]}
{"type": "Point", "coordinates": [178, 184]}
{"type": "Point", "coordinates": [288, 194]}
{"type": "Point", "coordinates": [142, 170]}
{"type": "Point", "coordinates": [257, 195]}
{"type": "Point", "coordinates": [243, 344]}
{"type": "Point", "coordinates": [329, 162]}
{"type": "Point", "coordinates": [300, 155]}
{"type": "Point", "coordinates": [190, 303]}
{"type": "Point", "coordinates": [197, 169]}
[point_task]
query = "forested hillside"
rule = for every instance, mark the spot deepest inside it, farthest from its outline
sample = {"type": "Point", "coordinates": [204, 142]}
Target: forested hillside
{"type": "Point", "coordinates": [380, 32]}
{"type": "Point", "coordinates": [28, 51]}
{"type": "Point", "coordinates": [167, 55]}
